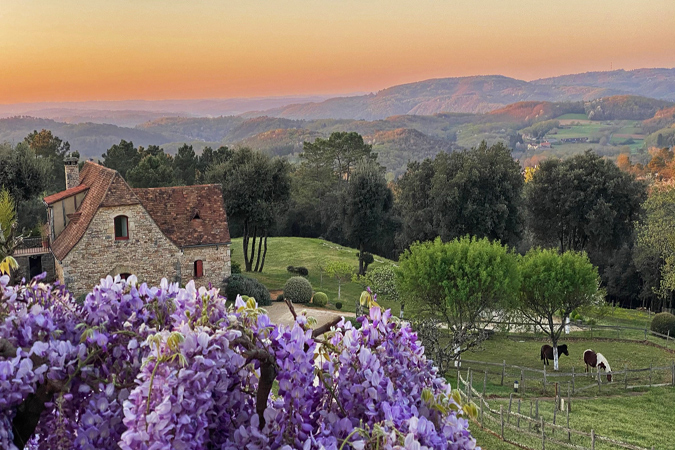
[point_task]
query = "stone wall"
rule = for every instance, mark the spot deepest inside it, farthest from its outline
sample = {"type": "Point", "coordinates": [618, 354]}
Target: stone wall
{"type": "Point", "coordinates": [47, 262]}
{"type": "Point", "coordinates": [216, 263]}
{"type": "Point", "coordinates": [147, 253]}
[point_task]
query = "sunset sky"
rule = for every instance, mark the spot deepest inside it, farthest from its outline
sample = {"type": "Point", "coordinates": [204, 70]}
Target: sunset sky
{"type": "Point", "coordinates": [63, 50]}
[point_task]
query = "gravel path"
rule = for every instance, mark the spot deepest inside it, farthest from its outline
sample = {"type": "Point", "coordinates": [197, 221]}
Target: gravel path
{"type": "Point", "coordinates": [278, 313]}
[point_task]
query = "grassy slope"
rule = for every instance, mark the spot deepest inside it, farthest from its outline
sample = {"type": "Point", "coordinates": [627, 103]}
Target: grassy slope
{"type": "Point", "coordinates": [290, 251]}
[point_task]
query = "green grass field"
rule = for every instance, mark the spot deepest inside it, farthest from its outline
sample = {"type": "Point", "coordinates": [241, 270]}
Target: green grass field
{"type": "Point", "coordinates": [305, 252]}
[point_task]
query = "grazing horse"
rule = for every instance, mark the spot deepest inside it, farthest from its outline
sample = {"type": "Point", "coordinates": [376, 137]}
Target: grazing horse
{"type": "Point", "coordinates": [547, 352]}
{"type": "Point", "coordinates": [597, 360]}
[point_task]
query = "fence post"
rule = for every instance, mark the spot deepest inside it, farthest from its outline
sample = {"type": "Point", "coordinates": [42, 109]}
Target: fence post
{"type": "Point", "coordinates": [650, 374]}
{"type": "Point", "coordinates": [501, 416]}
{"type": "Point", "coordinates": [592, 439]}
{"type": "Point", "coordinates": [598, 380]}
{"type": "Point", "coordinates": [672, 372]}
{"type": "Point", "coordinates": [569, 434]}
{"type": "Point", "coordinates": [522, 380]}
{"type": "Point", "coordinates": [529, 423]}
{"type": "Point", "coordinates": [503, 371]}
{"type": "Point", "coordinates": [543, 436]}
{"type": "Point", "coordinates": [625, 377]}
{"type": "Point", "coordinates": [572, 379]}
{"type": "Point", "coordinates": [458, 383]}
{"type": "Point", "coordinates": [482, 408]}
{"type": "Point", "coordinates": [544, 379]}
{"type": "Point", "coordinates": [518, 413]}
{"type": "Point", "coordinates": [536, 409]}
{"type": "Point", "coordinates": [569, 397]}
{"type": "Point", "coordinates": [484, 383]}
{"type": "Point", "coordinates": [555, 413]}
{"type": "Point", "coordinates": [508, 415]}
{"type": "Point", "coordinates": [470, 384]}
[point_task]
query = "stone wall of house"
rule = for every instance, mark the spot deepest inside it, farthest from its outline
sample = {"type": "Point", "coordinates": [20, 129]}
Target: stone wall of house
{"type": "Point", "coordinates": [216, 264]}
{"type": "Point", "coordinates": [47, 262]}
{"type": "Point", "coordinates": [148, 253]}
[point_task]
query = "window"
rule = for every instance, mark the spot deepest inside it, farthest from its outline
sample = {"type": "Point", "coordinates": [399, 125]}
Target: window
{"type": "Point", "coordinates": [199, 268]}
{"type": "Point", "coordinates": [121, 228]}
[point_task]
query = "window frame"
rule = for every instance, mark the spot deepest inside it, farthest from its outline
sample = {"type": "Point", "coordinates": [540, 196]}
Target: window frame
{"type": "Point", "coordinates": [198, 268]}
{"type": "Point", "coordinates": [126, 221]}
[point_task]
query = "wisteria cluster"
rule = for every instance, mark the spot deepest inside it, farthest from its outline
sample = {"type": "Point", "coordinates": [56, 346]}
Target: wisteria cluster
{"type": "Point", "coordinates": [142, 368]}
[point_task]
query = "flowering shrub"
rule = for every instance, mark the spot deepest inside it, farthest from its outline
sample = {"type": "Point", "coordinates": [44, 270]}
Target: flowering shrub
{"type": "Point", "coordinates": [139, 367]}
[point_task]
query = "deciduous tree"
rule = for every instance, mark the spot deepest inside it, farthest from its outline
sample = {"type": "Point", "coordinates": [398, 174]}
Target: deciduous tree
{"type": "Point", "coordinates": [555, 284]}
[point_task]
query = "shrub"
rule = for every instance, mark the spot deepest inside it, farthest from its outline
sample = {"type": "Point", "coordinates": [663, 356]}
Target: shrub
{"type": "Point", "coordinates": [663, 323]}
{"type": "Point", "coordinates": [338, 305]}
{"type": "Point", "coordinates": [298, 290]}
{"type": "Point", "coordinates": [298, 270]}
{"type": "Point", "coordinates": [235, 267]}
{"type": "Point", "coordinates": [280, 297]}
{"type": "Point", "coordinates": [242, 285]}
{"type": "Point", "coordinates": [320, 299]}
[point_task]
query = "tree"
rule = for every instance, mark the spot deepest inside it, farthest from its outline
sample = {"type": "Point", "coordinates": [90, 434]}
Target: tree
{"type": "Point", "coordinates": [255, 188]}
{"type": "Point", "coordinates": [9, 241]}
{"type": "Point", "coordinates": [555, 284]}
{"type": "Point", "coordinates": [476, 192]}
{"type": "Point", "coordinates": [152, 171]}
{"type": "Point", "coordinates": [209, 158]}
{"type": "Point", "coordinates": [122, 157]}
{"type": "Point", "coordinates": [367, 210]}
{"type": "Point", "coordinates": [53, 149]}
{"type": "Point", "coordinates": [185, 166]}
{"type": "Point", "coordinates": [462, 284]}
{"type": "Point", "coordinates": [341, 271]}
{"type": "Point", "coordinates": [341, 152]}
{"type": "Point", "coordinates": [583, 203]}
{"type": "Point", "coordinates": [655, 246]}
{"type": "Point", "coordinates": [24, 175]}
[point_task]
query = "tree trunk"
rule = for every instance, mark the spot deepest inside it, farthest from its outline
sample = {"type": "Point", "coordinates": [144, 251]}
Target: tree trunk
{"type": "Point", "coordinates": [555, 356]}
{"type": "Point", "coordinates": [257, 263]}
{"type": "Point", "coordinates": [249, 263]}
{"type": "Point", "coordinates": [262, 264]}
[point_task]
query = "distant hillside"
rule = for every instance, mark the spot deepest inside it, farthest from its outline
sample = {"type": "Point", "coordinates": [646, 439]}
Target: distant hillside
{"type": "Point", "coordinates": [280, 142]}
{"type": "Point", "coordinates": [655, 83]}
{"type": "Point", "coordinates": [531, 112]}
{"type": "Point", "coordinates": [90, 139]}
{"type": "Point", "coordinates": [123, 118]}
{"type": "Point", "coordinates": [664, 118]}
{"type": "Point", "coordinates": [624, 107]}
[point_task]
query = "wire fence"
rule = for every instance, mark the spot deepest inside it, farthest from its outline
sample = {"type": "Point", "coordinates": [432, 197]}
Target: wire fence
{"type": "Point", "coordinates": [531, 431]}
{"type": "Point", "coordinates": [542, 381]}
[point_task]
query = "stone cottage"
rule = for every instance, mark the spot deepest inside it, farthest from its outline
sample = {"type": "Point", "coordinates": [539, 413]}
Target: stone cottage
{"type": "Point", "coordinates": [100, 226]}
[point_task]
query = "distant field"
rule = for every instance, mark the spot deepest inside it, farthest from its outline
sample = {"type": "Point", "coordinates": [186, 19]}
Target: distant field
{"type": "Point", "coordinates": [306, 252]}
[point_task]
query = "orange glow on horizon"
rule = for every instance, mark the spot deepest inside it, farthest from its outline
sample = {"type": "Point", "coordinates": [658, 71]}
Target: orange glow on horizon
{"type": "Point", "coordinates": [75, 50]}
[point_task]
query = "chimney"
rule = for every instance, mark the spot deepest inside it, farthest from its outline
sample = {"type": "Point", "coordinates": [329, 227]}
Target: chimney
{"type": "Point", "coordinates": [72, 172]}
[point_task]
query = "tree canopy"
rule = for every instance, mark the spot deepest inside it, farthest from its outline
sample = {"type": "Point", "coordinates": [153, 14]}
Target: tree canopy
{"type": "Point", "coordinates": [460, 284]}
{"type": "Point", "coordinates": [476, 192]}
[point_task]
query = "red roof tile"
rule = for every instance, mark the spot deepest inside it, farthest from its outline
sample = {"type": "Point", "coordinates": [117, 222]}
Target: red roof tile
{"type": "Point", "coordinates": [97, 178]}
{"type": "Point", "coordinates": [65, 194]}
{"type": "Point", "coordinates": [173, 210]}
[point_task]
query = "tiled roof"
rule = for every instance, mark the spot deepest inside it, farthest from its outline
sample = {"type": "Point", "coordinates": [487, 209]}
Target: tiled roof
{"type": "Point", "coordinates": [174, 208]}
{"type": "Point", "coordinates": [65, 194]}
{"type": "Point", "coordinates": [97, 179]}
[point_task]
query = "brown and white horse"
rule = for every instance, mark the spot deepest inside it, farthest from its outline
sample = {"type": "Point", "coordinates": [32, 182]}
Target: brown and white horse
{"type": "Point", "coordinates": [597, 360]}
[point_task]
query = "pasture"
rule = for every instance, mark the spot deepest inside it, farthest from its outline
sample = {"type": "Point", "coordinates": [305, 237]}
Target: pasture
{"type": "Point", "coordinates": [307, 252]}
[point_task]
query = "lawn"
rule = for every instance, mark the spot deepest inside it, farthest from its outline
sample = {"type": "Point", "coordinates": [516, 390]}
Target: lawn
{"type": "Point", "coordinates": [306, 252]}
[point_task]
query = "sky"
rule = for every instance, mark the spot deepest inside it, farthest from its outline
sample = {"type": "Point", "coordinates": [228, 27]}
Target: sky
{"type": "Point", "coordinates": [79, 50]}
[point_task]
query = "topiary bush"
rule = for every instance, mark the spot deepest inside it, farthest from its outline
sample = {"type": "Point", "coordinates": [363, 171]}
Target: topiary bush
{"type": "Point", "coordinates": [320, 299]}
{"type": "Point", "coordinates": [298, 290]}
{"type": "Point", "coordinates": [280, 297]}
{"type": "Point", "coordinates": [298, 270]}
{"type": "Point", "coordinates": [338, 305]}
{"type": "Point", "coordinates": [235, 267]}
{"type": "Point", "coordinates": [242, 285]}
{"type": "Point", "coordinates": [663, 323]}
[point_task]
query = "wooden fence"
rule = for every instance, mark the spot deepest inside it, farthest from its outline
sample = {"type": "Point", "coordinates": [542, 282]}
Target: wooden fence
{"type": "Point", "coordinates": [539, 381]}
{"type": "Point", "coordinates": [534, 427]}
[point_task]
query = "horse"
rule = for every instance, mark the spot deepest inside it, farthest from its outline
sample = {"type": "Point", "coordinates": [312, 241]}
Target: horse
{"type": "Point", "coordinates": [547, 352]}
{"type": "Point", "coordinates": [597, 360]}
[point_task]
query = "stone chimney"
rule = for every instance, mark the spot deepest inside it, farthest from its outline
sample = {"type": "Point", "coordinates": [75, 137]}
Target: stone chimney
{"type": "Point", "coordinates": [72, 172]}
